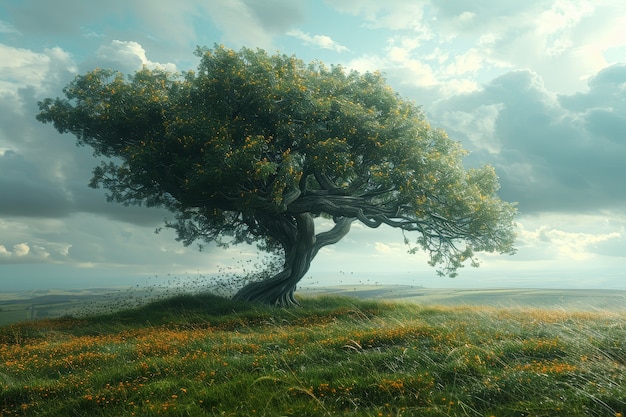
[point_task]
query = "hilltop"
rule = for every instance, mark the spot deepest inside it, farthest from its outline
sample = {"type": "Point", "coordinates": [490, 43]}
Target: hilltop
{"type": "Point", "coordinates": [201, 355]}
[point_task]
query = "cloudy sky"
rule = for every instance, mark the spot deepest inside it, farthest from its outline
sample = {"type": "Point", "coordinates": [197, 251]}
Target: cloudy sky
{"type": "Point", "coordinates": [536, 88]}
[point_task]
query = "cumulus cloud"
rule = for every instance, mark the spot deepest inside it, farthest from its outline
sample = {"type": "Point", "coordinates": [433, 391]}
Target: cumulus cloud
{"type": "Point", "coordinates": [576, 246]}
{"type": "Point", "coordinates": [485, 37]}
{"type": "Point", "coordinates": [43, 174]}
{"type": "Point", "coordinates": [555, 133]}
{"type": "Point", "coordinates": [477, 124]}
{"type": "Point", "coordinates": [390, 14]}
{"type": "Point", "coordinates": [368, 62]}
{"type": "Point", "coordinates": [22, 68]}
{"type": "Point", "coordinates": [544, 35]}
{"type": "Point", "coordinates": [24, 253]}
{"type": "Point", "coordinates": [383, 248]}
{"type": "Point", "coordinates": [127, 56]}
{"type": "Point", "coordinates": [467, 62]}
{"type": "Point", "coordinates": [321, 41]}
{"type": "Point", "coordinates": [19, 249]}
{"type": "Point", "coordinates": [47, 212]}
{"type": "Point", "coordinates": [553, 152]}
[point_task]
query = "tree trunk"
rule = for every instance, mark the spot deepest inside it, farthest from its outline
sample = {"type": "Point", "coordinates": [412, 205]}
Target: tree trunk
{"type": "Point", "coordinates": [296, 234]}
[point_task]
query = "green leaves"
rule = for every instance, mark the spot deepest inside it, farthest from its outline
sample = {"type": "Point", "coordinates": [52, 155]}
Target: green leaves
{"type": "Point", "coordinates": [250, 136]}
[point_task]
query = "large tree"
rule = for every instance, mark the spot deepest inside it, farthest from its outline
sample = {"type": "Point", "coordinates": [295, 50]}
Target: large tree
{"type": "Point", "coordinates": [253, 147]}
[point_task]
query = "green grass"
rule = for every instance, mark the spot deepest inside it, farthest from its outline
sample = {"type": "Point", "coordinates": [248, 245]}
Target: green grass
{"type": "Point", "coordinates": [202, 355]}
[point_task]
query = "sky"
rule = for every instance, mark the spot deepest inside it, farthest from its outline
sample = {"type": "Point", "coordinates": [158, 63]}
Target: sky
{"type": "Point", "coordinates": [535, 88]}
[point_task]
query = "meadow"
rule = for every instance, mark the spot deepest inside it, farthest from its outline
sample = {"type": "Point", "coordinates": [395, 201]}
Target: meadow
{"type": "Point", "coordinates": [202, 355]}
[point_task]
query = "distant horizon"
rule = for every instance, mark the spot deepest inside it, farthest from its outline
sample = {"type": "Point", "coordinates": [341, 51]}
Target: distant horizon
{"type": "Point", "coordinates": [64, 278]}
{"type": "Point", "coordinates": [536, 89]}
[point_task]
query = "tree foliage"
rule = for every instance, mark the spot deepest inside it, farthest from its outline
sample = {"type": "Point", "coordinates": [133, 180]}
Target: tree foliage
{"type": "Point", "coordinates": [252, 147]}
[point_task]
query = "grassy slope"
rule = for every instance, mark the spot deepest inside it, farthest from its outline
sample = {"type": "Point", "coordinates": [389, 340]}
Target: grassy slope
{"type": "Point", "coordinates": [202, 355]}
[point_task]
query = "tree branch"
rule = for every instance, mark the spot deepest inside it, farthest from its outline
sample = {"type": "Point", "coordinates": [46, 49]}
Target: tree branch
{"type": "Point", "coordinates": [334, 235]}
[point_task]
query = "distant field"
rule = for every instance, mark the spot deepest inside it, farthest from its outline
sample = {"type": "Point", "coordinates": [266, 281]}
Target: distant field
{"type": "Point", "coordinates": [30, 305]}
{"type": "Point", "coordinates": [568, 299]}
{"type": "Point", "coordinates": [22, 306]}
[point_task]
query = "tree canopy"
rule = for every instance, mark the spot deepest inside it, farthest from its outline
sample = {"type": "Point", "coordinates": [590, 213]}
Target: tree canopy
{"type": "Point", "coordinates": [252, 147]}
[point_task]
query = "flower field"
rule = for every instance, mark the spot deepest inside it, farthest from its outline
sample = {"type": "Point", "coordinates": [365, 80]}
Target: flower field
{"type": "Point", "coordinates": [202, 356]}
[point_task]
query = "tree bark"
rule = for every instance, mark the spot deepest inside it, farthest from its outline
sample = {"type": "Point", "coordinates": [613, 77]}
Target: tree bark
{"type": "Point", "coordinates": [296, 234]}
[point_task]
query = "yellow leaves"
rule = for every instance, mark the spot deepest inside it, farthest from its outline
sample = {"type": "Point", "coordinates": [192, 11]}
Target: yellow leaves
{"type": "Point", "coordinates": [263, 169]}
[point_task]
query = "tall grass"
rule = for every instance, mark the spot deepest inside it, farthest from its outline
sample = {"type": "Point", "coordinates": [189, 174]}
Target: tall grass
{"type": "Point", "coordinates": [202, 356]}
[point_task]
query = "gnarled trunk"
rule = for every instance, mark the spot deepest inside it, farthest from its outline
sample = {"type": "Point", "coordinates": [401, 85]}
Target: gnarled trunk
{"type": "Point", "coordinates": [296, 234]}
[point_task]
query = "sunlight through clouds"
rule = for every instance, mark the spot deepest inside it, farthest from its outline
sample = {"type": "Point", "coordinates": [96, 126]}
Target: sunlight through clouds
{"type": "Point", "coordinates": [557, 23]}
{"type": "Point", "coordinates": [536, 89]}
{"type": "Point", "coordinates": [576, 246]}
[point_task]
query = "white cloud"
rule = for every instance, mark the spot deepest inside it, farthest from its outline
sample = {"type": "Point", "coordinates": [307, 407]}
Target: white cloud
{"type": "Point", "coordinates": [576, 246]}
{"type": "Point", "coordinates": [366, 63]}
{"type": "Point", "coordinates": [485, 37]}
{"type": "Point", "coordinates": [128, 56]}
{"type": "Point", "coordinates": [37, 250]}
{"type": "Point", "coordinates": [468, 62]}
{"type": "Point", "coordinates": [42, 72]}
{"type": "Point", "coordinates": [322, 41]}
{"type": "Point", "coordinates": [478, 123]}
{"type": "Point", "coordinates": [405, 61]}
{"type": "Point", "coordinates": [21, 249]}
{"type": "Point", "coordinates": [555, 25]}
{"type": "Point", "coordinates": [466, 17]}
{"type": "Point", "coordinates": [406, 65]}
{"type": "Point", "coordinates": [564, 41]}
{"type": "Point", "coordinates": [552, 152]}
{"type": "Point", "coordinates": [383, 248]}
{"type": "Point", "coordinates": [389, 14]}
{"type": "Point", "coordinates": [21, 67]}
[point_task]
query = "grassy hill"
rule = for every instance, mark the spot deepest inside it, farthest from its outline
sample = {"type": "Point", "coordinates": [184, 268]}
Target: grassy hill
{"type": "Point", "coordinates": [203, 356]}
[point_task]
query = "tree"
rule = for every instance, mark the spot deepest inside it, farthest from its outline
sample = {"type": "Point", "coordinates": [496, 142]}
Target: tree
{"type": "Point", "coordinates": [252, 147]}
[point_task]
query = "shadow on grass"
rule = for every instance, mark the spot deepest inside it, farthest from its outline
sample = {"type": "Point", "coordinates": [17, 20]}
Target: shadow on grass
{"type": "Point", "coordinates": [199, 311]}
{"type": "Point", "coordinates": [203, 310]}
